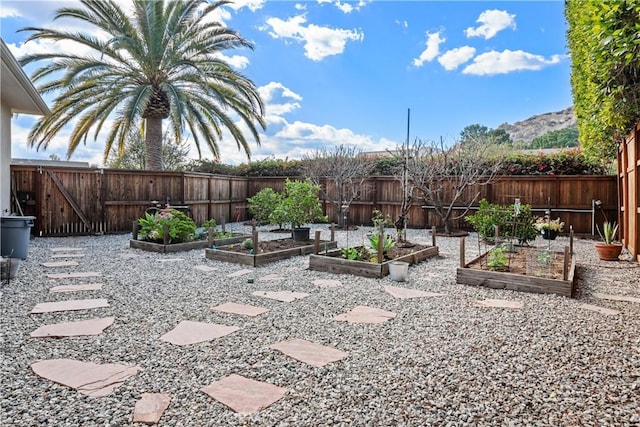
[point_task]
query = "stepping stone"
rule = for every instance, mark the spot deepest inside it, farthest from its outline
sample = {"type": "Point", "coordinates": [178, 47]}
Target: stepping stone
{"type": "Point", "coordinates": [499, 303]}
{"type": "Point", "coordinates": [244, 395]}
{"type": "Point", "coordinates": [233, 308]}
{"type": "Point", "coordinates": [270, 277]}
{"type": "Point", "coordinates": [601, 310]}
{"type": "Point", "coordinates": [283, 296]}
{"type": "Point", "coordinates": [70, 305]}
{"type": "Point", "coordinates": [240, 273]}
{"type": "Point", "coordinates": [404, 293]}
{"type": "Point", "coordinates": [617, 298]}
{"type": "Point", "coordinates": [67, 256]}
{"type": "Point", "coordinates": [66, 249]}
{"type": "Point", "coordinates": [364, 314]}
{"type": "Point", "coordinates": [91, 379]}
{"type": "Point", "coordinates": [309, 352]}
{"type": "Point", "coordinates": [77, 288]}
{"type": "Point", "coordinates": [170, 259]}
{"type": "Point", "coordinates": [73, 329]}
{"type": "Point", "coordinates": [60, 264]}
{"type": "Point", "coordinates": [150, 407]}
{"type": "Point", "coordinates": [74, 275]}
{"type": "Point", "coordinates": [327, 283]}
{"type": "Point", "coordinates": [205, 268]}
{"type": "Point", "coordinates": [188, 332]}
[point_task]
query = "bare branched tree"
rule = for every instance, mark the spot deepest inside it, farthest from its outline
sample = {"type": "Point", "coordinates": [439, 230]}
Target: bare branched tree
{"type": "Point", "coordinates": [341, 173]}
{"type": "Point", "coordinates": [447, 178]}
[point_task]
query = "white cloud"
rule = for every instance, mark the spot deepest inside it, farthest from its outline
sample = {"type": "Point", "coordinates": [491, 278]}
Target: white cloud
{"type": "Point", "coordinates": [507, 61]}
{"type": "Point", "coordinates": [319, 42]}
{"type": "Point", "coordinates": [300, 6]}
{"type": "Point", "coordinates": [269, 91]}
{"type": "Point", "coordinates": [9, 12]}
{"type": "Point", "coordinates": [453, 58]}
{"type": "Point", "coordinates": [493, 21]}
{"type": "Point", "coordinates": [252, 5]}
{"type": "Point", "coordinates": [432, 50]}
{"type": "Point", "coordinates": [403, 24]}
{"type": "Point", "coordinates": [237, 61]}
{"type": "Point", "coordinates": [278, 100]}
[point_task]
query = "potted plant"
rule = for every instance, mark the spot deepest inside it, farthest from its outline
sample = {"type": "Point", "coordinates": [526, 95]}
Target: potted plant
{"type": "Point", "coordinates": [549, 228]}
{"type": "Point", "coordinates": [301, 205]}
{"type": "Point", "coordinates": [609, 249]}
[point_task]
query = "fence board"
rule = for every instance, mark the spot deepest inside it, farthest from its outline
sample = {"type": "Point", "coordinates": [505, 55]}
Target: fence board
{"type": "Point", "coordinates": [111, 199]}
{"type": "Point", "coordinates": [629, 191]}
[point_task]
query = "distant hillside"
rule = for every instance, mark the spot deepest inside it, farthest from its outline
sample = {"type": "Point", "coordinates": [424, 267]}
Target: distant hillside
{"type": "Point", "coordinates": [536, 126]}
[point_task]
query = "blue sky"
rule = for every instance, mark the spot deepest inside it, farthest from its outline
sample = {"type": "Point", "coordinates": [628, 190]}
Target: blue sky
{"type": "Point", "coordinates": [342, 72]}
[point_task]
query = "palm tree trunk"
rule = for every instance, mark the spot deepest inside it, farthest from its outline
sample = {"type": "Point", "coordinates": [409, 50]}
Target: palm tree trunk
{"type": "Point", "coordinates": [153, 143]}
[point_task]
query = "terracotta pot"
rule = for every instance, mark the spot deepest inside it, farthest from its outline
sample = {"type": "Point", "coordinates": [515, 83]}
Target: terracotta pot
{"type": "Point", "coordinates": [608, 252]}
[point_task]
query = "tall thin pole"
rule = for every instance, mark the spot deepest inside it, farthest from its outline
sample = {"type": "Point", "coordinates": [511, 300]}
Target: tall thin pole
{"type": "Point", "coordinates": [406, 172]}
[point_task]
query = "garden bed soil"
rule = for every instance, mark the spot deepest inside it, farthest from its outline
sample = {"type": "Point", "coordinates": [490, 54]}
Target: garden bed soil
{"type": "Point", "coordinates": [333, 262]}
{"type": "Point", "coordinates": [268, 251]}
{"type": "Point", "coordinates": [185, 246]}
{"type": "Point", "coordinates": [527, 271]}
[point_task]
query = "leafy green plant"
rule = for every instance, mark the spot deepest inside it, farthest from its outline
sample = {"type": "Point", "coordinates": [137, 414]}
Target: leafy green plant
{"type": "Point", "coordinates": [181, 227]}
{"type": "Point", "coordinates": [374, 240]}
{"type": "Point", "coordinates": [544, 257]}
{"type": "Point", "coordinates": [519, 224]}
{"type": "Point", "coordinates": [351, 253]}
{"type": "Point", "coordinates": [247, 244]}
{"type": "Point", "coordinates": [263, 204]}
{"type": "Point", "coordinates": [497, 259]}
{"type": "Point", "coordinates": [301, 204]}
{"type": "Point", "coordinates": [609, 232]}
{"type": "Point", "coordinates": [210, 223]}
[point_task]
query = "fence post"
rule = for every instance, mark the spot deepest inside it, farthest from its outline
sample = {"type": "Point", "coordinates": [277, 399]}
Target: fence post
{"type": "Point", "coordinates": [316, 246]}
{"type": "Point", "coordinates": [210, 236]}
{"type": "Point", "coordinates": [433, 236]}
{"type": "Point", "coordinates": [135, 229]}
{"type": "Point", "coordinates": [462, 254]}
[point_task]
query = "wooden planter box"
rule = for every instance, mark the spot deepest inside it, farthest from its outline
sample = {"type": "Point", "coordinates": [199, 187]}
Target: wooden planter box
{"type": "Point", "coordinates": [186, 246]}
{"type": "Point", "coordinates": [254, 260]}
{"type": "Point", "coordinates": [333, 262]}
{"type": "Point", "coordinates": [519, 282]}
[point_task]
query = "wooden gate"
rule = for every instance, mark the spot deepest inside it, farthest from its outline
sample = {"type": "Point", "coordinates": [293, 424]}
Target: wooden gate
{"type": "Point", "coordinates": [629, 191]}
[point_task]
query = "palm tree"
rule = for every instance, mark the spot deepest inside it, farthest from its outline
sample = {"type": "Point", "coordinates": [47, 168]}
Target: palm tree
{"type": "Point", "coordinates": [161, 61]}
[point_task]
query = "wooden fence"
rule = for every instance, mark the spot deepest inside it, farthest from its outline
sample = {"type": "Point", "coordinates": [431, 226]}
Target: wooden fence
{"type": "Point", "coordinates": [74, 201]}
{"type": "Point", "coordinates": [629, 192]}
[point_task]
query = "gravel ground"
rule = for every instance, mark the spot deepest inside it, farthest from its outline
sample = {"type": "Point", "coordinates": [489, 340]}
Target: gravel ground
{"type": "Point", "coordinates": [441, 361]}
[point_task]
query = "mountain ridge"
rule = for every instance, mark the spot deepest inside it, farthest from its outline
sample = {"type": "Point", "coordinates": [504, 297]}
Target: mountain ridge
{"type": "Point", "coordinates": [535, 126]}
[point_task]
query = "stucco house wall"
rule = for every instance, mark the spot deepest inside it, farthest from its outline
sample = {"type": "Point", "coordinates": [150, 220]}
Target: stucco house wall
{"type": "Point", "coordinates": [17, 95]}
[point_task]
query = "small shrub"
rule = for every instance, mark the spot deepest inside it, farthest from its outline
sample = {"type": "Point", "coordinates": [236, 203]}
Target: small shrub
{"type": "Point", "coordinates": [497, 259]}
{"type": "Point", "coordinates": [181, 227]}
{"type": "Point", "coordinates": [263, 204]}
{"type": "Point", "coordinates": [247, 244]}
{"type": "Point", "coordinates": [351, 253]}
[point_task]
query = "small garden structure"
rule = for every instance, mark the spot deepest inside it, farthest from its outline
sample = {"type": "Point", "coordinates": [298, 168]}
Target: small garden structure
{"type": "Point", "coordinates": [526, 269]}
{"type": "Point", "coordinates": [172, 231]}
{"type": "Point", "coordinates": [268, 251]}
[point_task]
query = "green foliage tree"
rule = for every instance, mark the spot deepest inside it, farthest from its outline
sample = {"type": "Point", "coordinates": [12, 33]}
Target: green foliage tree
{"type": "Point", "coordinates": [561, 138]}
{"type": "Point", "coordinates": [160, 62]}
{"type": "Point", "coordinates": [301, 204]}
{"type": "Point", "coordinates": [605, 75]}
{"type": "Point", "coordinates": [263, 203]}
{"type": "Point", "coordinates": [480, 133]}
{"type": "Point", "coordinates": [174, 155]}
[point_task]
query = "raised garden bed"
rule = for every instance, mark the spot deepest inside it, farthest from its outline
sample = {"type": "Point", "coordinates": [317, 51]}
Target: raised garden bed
{"type": "Point", "coordinates": [529, 269]}
{"type": "Point", "coordinates": [186, 246]}
{"type": "Point", "coordinates": [268, 251]}
{"type": "Point", "coordinates": [333, 262]}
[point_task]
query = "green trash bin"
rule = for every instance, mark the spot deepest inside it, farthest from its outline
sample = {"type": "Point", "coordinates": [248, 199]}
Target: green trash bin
{"type": "Point", "coordinates": [14, 235]}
